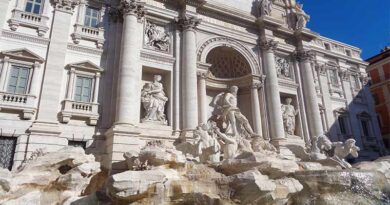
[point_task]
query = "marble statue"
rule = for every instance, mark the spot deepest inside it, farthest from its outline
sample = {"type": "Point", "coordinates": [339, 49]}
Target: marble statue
{"type": "Point", "coordinates": [226, 102]}
{"type": "Point", "coordinates": [302, 17]}
{"type": "Point", "coordinates": [230, 145]}
{"type": "Point", "coordinates": [155, 38]}
{"type": "Point", "coordinates": [208, 147]}
{"type": "Point", "coordinates": [342, 150]}
{"type": "Point", "coordinates": [320, 146]}
{"type": "Point", "coordinates": [153, 100]}
{"type": "Point", "coordinates": [323, 149]}
{"type": "Point", "coordinates": [265, 7]}
{"type": "Point", "coordinates": [289, 113]}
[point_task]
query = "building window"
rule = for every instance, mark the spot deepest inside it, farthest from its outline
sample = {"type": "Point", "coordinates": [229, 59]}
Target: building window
{"type": "Point", "coordinates": [348, 52]}
{"type": "Point", "coordinates": [366, 133]}
{"type": "Point", "coordinates": [34, 6]}
{"type": "Point", "coordinates": [18, 80]}
{"type": "Point", "coordinates": [356, 83]}
{"type": "Point", "coordinates": [83, 89]}
{"type": "Point", "coordinates": [74, 143]}
{"type": "Point", "coordinates": [343, 125]}
{"type": "Point", "coordinates": [91, 17]}
{"type": "Point", "coordinates": [333, 77]}
{"type": "Point", "coordinates": [327, 46]}
{"type": "Point", "coordinates": [7, 150]}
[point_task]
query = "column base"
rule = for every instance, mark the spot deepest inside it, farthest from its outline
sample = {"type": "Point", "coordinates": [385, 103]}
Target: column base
{"type": "Point", "coordinates": [120, 138]}
{"type": "Point", "coordinates": [43, 135]}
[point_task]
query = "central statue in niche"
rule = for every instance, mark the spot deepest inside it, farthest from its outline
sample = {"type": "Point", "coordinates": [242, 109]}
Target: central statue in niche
{"type": "Point", "coordinates": [237, 123]}
{"type": "Point", "coordinates": [153, 99]}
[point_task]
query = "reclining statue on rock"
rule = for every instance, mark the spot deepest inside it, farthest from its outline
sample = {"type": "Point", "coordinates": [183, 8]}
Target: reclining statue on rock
{"type": "Point", "coordinates": [323, 149]}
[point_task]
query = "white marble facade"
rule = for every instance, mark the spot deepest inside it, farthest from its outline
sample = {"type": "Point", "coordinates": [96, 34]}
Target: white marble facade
{"type": "Point", "coordinates": [90, 70]}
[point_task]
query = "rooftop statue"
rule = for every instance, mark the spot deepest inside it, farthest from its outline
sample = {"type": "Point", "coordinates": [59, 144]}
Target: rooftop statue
{"type": "Point", "coordinates": [302, 17]}
{"type": "Point", "coordinates": [265, 7]}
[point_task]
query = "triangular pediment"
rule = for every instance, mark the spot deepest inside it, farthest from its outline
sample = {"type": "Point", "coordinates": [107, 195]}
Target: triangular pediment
{"type": "Point", "coordinates": [86, 65]}
{"type": "Point", "coordinates": [23, 54]}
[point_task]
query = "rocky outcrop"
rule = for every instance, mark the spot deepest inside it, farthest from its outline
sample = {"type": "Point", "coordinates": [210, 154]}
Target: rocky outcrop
{"type": "Point", "coordinates": [381, 165]}
{"type": "Point", "coordinates": [49, 178]}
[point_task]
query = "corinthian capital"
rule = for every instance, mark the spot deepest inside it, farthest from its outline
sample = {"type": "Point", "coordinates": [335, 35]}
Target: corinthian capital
{"type": "Point", "coordinates": [268, 44]}
{"type": "Point", "coordinates": [65, 5]}
{"type": "Point", "coordinates": [188, 22]}
{"type": "Point", "coordinates": [304, 55]}
{"type": "Point", "coordinates": [114, 14]}
{"type": "Point", "coordinates": [133, 7]}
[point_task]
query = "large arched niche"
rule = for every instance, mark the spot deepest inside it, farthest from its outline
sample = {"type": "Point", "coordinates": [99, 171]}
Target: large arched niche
{"type": "Point", "coordinates": [221, 43]}
{"type": "Point", "coordinates": [227, 63]}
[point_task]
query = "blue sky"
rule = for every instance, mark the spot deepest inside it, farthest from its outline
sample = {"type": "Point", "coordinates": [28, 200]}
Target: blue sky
{"type": "Point", "coordinates": [361, 23]}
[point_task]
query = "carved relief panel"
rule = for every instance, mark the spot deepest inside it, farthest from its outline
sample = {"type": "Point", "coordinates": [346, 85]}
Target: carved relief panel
{"type": "Point", "coordinates": [157, 37]}
{"type": "Point", "coordinates": [284, 67]}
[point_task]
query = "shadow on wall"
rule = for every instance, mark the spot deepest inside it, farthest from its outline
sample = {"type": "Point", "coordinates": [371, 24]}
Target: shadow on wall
{"type": "Point", "coordinates": [357, 120]}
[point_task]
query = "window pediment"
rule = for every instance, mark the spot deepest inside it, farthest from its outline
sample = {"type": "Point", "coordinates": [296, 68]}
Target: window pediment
{"type": "Point", "coordinates": [86, 66]}
{"type": "Point", "coordinates": [22, 54]}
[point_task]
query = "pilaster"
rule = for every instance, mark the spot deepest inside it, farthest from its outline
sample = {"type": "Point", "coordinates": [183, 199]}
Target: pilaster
{"type": "Point", "coordinates": [46, 128]}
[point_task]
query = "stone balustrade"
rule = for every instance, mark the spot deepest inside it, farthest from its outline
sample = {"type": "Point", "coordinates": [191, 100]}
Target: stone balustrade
{"type": "Point", "coordinates": [19, 102]}
{"type": "Point", "coordinates": [80, 109]}
{"type": "Point", "coordinates": [88, 33]}
{"type": "Point", "coordinates": [22, 18]}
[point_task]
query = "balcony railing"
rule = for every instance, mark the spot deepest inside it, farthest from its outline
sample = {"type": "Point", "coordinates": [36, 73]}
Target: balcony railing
{"type": "Point", "coordinates": [81, 110]}
{"type": "Point", "coordinates": [88, 33]}
{"type": "Point", "coordinates": [22, 18]}
{"type": "Point", "coordinates": [20, 102]}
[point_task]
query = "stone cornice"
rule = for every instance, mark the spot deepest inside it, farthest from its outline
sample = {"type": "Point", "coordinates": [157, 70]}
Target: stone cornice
{"type": "Point", "coordinates": [25, 37]}
{"type": "Point", "coordinates": [84, 49]}
{"type": "Point", "coordinates": [188, 22]}
{"type": "Point", "coordinates": [133, 7]}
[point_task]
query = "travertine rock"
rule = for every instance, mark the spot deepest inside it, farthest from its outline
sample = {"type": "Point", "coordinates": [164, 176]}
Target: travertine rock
{"type": "Point", "coordinates": [271, 165]}
{"type": "Point", "coordinates": [52, 178]}
{"type": "Point", "coordinates": [133, 185]}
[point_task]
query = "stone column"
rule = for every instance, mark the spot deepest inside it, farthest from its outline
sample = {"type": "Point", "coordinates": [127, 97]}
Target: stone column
{"type": "Point", "coordinates": [72, 74]}
{"type": "Point", "coordinates": [256, 115]}
{"type": "Point", "coordinates": [4, 73]}
{"type": "Point", "coordinates": [130, 72]}
{"type": "Point", "coordinates": [3, 12]}
{"type": "Point", "coordinates": [310, 94]}
{"type": "Point", "coordinates": [272, 90]}
{"type": "Point", "coordinates": [124, 134]}
{"type": "Point", "coordinates": [189, 76]}
{"type": "Point", "coordinates": [36, 80]}
{"type": "Point", "coordinates": [96, 90]}
{"type": "Point", "coordinates": [176, 82]}
{"type": "Point", "coordinates": [202, 97]}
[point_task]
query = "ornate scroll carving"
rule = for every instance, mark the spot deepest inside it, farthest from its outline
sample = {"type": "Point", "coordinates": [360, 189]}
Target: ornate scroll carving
{"type": "Point", "coordinates": [133, 7]}
{"type": "Point", "coordinates": [304, 55]}
{"type": "Point", "coordinates": [188, 22]}
{"type": "Point", "coordinates": [268, 44]}
{"type": "Point", "coordinates": [65, 5]}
